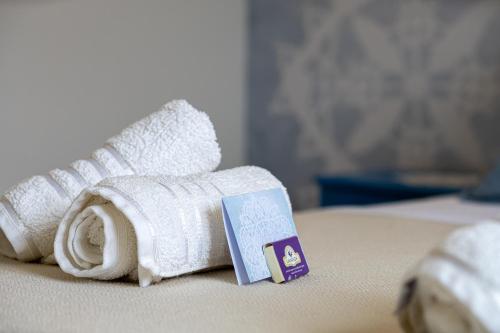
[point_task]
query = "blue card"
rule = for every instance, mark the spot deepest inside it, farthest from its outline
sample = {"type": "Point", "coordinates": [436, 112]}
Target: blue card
{"type": "Point", "coordinates": [251, 221]}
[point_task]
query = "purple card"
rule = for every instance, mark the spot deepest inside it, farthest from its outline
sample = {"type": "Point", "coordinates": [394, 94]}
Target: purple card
{"type": "Point", "coordinates": [286, 260]}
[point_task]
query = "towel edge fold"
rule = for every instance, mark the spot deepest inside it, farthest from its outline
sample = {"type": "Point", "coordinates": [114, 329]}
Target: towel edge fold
{"type": "Point", "coordinates": [150, 272]}
{"type": "Point", "coordinates": [22, 245]}
{"type": "Point", "coordinates": [461, 284]}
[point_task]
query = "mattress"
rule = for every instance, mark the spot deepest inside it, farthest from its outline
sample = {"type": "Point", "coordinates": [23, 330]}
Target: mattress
{"type": "Point", "coordinates": [357, 262]}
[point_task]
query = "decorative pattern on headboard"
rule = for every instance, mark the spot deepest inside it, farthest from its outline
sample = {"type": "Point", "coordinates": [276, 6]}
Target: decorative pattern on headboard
{"type": "Point", "coordinates": [372, 84]}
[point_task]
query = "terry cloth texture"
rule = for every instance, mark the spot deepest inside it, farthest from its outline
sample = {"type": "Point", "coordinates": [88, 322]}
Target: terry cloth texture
{"type": "Point", "coordinates": [149, 228]}
{"type": "Point", "coordinates": [178, 140]}
{"type": "Point", "coordinates": [456, 288]}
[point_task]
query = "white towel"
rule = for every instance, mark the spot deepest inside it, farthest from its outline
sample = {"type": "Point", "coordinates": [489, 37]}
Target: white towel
{"type": "Point", "coordinates": [457, 287]}
{"type": "Point", "coordinates": [149, 228]}
{"type": "Point", "coordinates": [177, 140]}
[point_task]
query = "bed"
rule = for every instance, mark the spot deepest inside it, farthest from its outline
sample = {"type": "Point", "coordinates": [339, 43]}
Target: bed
{"type": "Point", "coordinates": [357, 257]}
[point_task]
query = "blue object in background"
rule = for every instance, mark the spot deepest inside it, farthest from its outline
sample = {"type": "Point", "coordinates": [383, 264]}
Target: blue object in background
{"type": "Point", "coordinates": [489, 189]}
{"type": "Point", "coordinates": [373, 188]}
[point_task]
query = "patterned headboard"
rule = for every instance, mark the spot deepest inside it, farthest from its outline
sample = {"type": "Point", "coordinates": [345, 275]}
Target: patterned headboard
{"type": "Point", "coordinates": [348, 85]}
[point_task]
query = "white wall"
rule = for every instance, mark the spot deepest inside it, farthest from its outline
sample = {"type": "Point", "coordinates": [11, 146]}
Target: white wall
{"type": "Point", "coordinates": [74, 72]}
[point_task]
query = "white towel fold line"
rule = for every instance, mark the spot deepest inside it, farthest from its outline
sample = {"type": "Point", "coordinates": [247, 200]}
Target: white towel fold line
{"type": "Point", "coordinates": [150, 228]}
{"type": "Point", "coordinates": [456, 288]}
{"type": "Point", "coordinates": [178, 140]}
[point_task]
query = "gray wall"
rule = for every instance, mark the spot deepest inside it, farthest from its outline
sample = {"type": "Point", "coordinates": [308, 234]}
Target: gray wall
{"type": "Point", "coordinates": [74, 72]}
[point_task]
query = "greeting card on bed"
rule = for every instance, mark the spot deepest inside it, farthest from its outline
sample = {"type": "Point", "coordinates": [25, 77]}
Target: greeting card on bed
{"type": "Point", "coordinates": [251, 221]}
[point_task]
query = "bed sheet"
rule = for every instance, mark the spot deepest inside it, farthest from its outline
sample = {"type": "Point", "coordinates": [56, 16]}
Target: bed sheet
{"type": "Point", "coordinates": [357, 263]}
{"type": "Point", "coordinates": [442, 209]}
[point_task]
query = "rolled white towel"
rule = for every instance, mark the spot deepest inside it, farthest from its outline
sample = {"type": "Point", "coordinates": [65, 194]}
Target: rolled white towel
{"type": "Point", "coordinates": [149, 228]}
{"type": "Point", "coordinates": [178, 140]}
{"type": "Point", "coordinates": [456, 288]}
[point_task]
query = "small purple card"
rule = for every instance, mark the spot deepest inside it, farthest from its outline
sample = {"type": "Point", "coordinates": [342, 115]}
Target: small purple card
{"type": "Point", "coordinates": [286, 260]}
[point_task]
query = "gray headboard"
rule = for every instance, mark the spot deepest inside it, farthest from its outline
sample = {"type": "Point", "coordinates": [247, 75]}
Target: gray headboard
{"type": "Point", "coordinates": [351, 85]}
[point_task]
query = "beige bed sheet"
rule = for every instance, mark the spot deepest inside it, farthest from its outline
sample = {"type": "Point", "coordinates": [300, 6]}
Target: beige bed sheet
{"type": "Point", "coordinates": [356, 261]}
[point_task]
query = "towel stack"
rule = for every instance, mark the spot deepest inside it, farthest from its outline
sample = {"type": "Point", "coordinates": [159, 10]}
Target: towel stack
{"type": "Point", "coordinates": [145, 206]}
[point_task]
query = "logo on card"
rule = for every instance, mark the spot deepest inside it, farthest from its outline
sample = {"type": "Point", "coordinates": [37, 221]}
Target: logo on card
{"type": "Point", "coordinates": [291, 257]}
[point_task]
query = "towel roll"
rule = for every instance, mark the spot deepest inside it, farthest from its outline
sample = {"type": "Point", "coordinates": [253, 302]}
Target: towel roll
{"type": "Point", "coordinates": [178, 140]}
{"type": "Point", "coordinates": [456, 288]}
{"type": "Point", "coordinates": [150, 228]}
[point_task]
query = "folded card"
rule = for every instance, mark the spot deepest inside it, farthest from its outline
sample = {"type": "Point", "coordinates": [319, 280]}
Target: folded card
{"type": "Point", "coordinates": [251, 221]}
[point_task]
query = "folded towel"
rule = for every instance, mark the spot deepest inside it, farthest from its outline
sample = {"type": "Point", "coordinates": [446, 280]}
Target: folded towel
{"type": "Point", "coordinates": [177, 140]}
{"type": "Point", "coordinates": [457, 287]}
{"type": "Point", "coordinates": [149, 228]}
